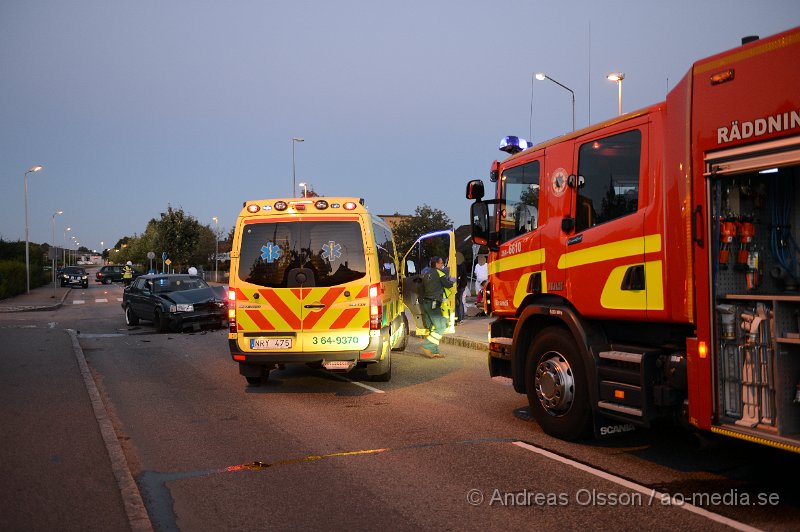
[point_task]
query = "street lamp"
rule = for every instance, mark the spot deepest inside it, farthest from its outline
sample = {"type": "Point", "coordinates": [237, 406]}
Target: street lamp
{"type": "Point", "coordinates": [65, 244]}
{"type": "Point", "coordinates": [35, 168]}
{"type": "Point", "coordinates": [294, 140]}
{"type": "Point", "coordinates": [55, 252]}
{"type": "Point", "coordinates": [216, 247]}
{"type": "Point", "coordinates": [305, 189]}
{"type": "Point", "coordinates": [617, 77]}
{"type": "Point", "coordinates": [541, 76]}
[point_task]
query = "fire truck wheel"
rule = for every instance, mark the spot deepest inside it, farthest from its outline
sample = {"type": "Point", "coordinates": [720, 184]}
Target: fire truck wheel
{"type": "Point", "coordinates": [555, 381]}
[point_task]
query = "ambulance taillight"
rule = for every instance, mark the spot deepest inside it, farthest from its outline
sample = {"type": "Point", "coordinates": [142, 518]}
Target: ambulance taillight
{"type": "Point", "coordinates": [232, 311]}
{"type": "Point", "coordinates": [375, 307]}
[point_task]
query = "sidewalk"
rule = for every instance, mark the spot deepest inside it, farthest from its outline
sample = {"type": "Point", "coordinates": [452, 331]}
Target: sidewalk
{"type": "Point", "coordinates": [472, 333]}
{"type": "Point", "coordinates": [39, 298]}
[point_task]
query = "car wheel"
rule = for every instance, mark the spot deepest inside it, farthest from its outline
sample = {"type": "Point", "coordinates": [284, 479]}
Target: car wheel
{"type": "Point", "coordinates": [386, 376]}
{"type": "Point", "coordinates": [258, 380]}
{"type": "Point", "coordinates": [85, 285]}
{"type": "Point", "coordinates": [556, 385]}
{"type": "Point", "coordinates": [402, 342]}
{"type": "Point", "coordinates": [107, 280]}
{"type": "Point", "coordinates": [130, 317]}
{"type": "Point", "coordinates": [160, 321]}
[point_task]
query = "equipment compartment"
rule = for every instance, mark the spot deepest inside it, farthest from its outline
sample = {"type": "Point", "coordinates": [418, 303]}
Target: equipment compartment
{"type": "Point", "coordinates": [755, 279]}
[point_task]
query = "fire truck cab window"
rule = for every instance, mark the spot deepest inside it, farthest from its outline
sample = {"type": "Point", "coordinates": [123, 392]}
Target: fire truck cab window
{"type": "Point", "coordinates": [519, 211]}
{"type": "Point", "coordinates": [330, 252]}
{"type": "Point", "coordinates": [610, 167]}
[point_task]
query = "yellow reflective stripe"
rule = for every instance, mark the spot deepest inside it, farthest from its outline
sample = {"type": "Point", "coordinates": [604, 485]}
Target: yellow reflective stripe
{"type": "Point", "coordinates": [652, 298]}
{"type": "Point", "coordinates": [522, 287]}
{"type": "Point", "coordinates": [756, 439]}
{"type": "Point", "coordinates": [529, 258]}
{"type": "Point", "coordinates": [614, 250]}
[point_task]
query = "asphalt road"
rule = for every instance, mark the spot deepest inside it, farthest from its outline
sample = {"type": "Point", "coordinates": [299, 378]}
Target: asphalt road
{"type": "Point", "coordinates": [441, 446]}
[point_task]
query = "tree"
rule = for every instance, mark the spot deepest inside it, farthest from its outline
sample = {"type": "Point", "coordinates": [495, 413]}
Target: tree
{"type": "Point", "coordinates": [426, 219]}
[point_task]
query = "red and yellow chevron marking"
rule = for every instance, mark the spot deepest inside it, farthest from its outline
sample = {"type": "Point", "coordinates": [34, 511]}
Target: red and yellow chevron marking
{"type": "Point", "coordinates": [285, 309]}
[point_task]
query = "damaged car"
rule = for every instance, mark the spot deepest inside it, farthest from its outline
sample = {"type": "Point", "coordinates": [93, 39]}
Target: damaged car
{"type": "Point", "coordinates": [175, 302]}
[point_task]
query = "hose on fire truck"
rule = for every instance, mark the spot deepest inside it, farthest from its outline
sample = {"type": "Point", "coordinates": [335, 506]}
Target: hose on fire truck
{"type": "Point", "coordinates": [782, 243]}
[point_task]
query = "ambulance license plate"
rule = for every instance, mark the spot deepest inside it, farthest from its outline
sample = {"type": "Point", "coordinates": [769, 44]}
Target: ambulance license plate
{"type": "Point", "coordinates": [270, 343]}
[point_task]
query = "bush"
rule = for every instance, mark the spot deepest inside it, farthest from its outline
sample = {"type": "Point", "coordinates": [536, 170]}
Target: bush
{"type": "Point", "coordinates": [12, 278]}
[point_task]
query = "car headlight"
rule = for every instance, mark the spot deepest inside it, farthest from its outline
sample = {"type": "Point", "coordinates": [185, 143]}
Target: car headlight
{"type": "Point", "coordinates": [182, 308]}
{"type": "Point", "coordinates": [85, 277]}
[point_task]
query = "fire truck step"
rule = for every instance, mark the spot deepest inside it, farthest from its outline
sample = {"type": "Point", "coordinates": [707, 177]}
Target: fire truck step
{"type": "Point", "coordinates": [622, 409]}
{"type": "Point", "coordinates": [623, 372]}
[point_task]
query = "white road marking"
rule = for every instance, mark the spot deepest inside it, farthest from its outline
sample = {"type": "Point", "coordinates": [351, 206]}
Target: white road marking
{"type": "Point", "coordinates": [51, 325]}
{"type": "Point", "coordinates": [101, 300]}
{"type": "Point", "coordinates": [649, 492]}
{"type": "Point", "coordinates": [102, 335]}
{"type": "Point", "coordinates": [78, 302]}
{"type": "Point", "coordinates": [370, 388]}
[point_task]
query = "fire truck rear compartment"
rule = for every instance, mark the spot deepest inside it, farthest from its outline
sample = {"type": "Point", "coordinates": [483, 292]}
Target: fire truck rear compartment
{"type": "Point", "coordinates": [755, 230]}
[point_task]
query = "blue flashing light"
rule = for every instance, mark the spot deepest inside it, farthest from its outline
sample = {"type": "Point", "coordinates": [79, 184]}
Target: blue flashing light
{"type": "Point", "coordinates": [512, 144]}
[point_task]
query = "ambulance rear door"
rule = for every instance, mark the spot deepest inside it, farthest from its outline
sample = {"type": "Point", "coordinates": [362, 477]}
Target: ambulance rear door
{"type": "Point", "coordinates": [304, 281]}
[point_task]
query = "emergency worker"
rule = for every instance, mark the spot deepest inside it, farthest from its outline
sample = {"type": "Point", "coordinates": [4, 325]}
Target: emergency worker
{"type": "Point", "coordinates": [127, 273]}
{"type": "Point", "coordinates": [435, 283]}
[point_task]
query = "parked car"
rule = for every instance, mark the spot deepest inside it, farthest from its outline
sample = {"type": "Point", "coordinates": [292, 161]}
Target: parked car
{"type": "Point", "coordinates": [113, 273]}
{"type": "Point", "coordinates": [73, 275]}
{"type": "Point", "coordinates": [175, 302]}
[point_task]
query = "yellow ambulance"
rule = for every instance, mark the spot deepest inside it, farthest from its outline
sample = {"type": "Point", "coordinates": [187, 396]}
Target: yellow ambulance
{"type": "Point", "coordinates": [315, 281]}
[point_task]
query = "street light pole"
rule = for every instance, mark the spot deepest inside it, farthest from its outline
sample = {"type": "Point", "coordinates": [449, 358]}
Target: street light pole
{"type": "Point", "coordinates": [65, 245]}
{"type": "Point", "coordinates": [294, 140]}
{"type": "Point", "coordinates": [216, 247]}
{"type": "Point", "coordinates": [541, 76]}
{"type": "Point", "coordinates": [35, 168]}
{"type": "Point", "coordinates": [617, 77]}
{"type": "Point", "coordinates": [55, 251]}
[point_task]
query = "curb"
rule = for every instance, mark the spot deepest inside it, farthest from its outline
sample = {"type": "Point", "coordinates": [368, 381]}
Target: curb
{"type": "Point", "coordinates": [135, 509]}
{"type": "Point", "coordinates": [35, 308]}
{"type": "Point", "coordinates": [460, 341]}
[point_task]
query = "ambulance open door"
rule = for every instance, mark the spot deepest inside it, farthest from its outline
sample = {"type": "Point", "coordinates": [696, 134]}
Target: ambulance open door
{"type": "Point", "coordinates": [416, 259]}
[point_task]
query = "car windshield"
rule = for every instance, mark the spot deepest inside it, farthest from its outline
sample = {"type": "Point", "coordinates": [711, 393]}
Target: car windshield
{"type": "Point", "coordinates": [73, 269]}
{"type": "Point", "coordinates": [177, 284]}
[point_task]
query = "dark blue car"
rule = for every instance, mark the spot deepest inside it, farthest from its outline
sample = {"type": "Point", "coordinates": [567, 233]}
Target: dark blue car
{"type": "Point", "coordinates": [175, 302]}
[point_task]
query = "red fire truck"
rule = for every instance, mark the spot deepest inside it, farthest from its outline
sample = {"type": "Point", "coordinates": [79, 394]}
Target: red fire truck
{"type": "Point", "coordinates": [647, 266]}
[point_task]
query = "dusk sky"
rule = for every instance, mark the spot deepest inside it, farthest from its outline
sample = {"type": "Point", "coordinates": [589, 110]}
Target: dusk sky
{"type": "Point", "coordinates": [134, 106]}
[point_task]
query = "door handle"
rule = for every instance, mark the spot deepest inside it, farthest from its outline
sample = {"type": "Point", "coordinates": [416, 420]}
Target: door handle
{"type": "Point", "coordinates": [313, 306]}
{"type": "Point", "coordinates": [697, 226]}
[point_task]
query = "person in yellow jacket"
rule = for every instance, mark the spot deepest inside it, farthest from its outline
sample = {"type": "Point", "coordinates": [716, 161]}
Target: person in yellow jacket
{"type": "Point", "coordinates": [127, 273]}
{"type": "Point", "coordinates": [435, 287]}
